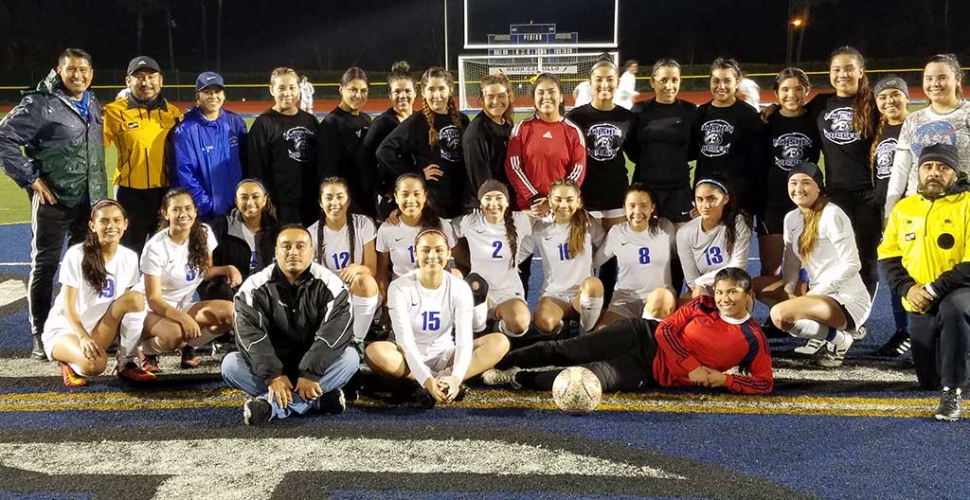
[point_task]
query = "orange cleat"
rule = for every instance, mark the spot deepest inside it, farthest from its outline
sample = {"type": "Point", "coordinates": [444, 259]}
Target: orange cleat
{"type": "Point", "coordinates": [70, 378]}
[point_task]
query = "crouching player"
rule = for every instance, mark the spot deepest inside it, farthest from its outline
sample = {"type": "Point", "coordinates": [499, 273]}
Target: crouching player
{"type": "Point", "coordinates": [293, 326]}
{"type": "Point", "coordinates": [695, 346]}
{"type": "Point", "coordinates": [94, 305]}
{"type": "Point", "coordinates": [431, 315]}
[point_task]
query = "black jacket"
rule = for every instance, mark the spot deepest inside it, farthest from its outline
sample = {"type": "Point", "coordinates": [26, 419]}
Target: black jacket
{"type": "Point", "coordinates": [297, 331]}
{"type": "Point", "coordinates": [234, 251]}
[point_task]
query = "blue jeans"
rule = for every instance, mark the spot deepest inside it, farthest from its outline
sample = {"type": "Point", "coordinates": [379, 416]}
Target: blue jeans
{"type": "Point", "coordinates": [239, 375]}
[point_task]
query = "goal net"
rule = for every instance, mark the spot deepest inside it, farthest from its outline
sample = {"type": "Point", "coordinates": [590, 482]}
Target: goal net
{"type": "Point", "coordinates": [570, 68]}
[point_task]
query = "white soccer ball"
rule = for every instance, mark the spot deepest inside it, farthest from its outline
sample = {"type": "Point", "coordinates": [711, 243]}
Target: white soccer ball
{"type": "Point", "coordinates": [577, 391]}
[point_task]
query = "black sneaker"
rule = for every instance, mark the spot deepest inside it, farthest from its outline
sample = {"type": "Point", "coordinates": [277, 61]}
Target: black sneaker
{"type": "Point", "coordinates": [423, 399]}
{"type": "Point", "coordinates": [333, 402]}
{"type": "Point", "coordinates": [898, 344]}
{"type": "Point", "coordinates": [257, 412]}
{"type": "Point", "coordinates": [37, 352]}
{"type": "Point", "coordinates": [462, 392]}
{"type": "Point", "coordinates": [951, 406]}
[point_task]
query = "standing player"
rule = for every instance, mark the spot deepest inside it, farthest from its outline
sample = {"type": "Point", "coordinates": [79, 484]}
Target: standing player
{"type": "Point", "coordinates": [430, 143]}
{"type": "Point", "coordinates": [728, 138]}
{"type": "Point", "coordinates": [818, 237]}
{"type": "Point", "coordinates": [431, 315]}
{"type": "Point", "coordinates": [306, 95]}
{"type": "Point", "coordinates": [395, 242]}
{"type": "Point", "coordinates": [567, 242]}
{"type": "Point", "coordinates": [719, 238]}
{"type": "Point", "coordinates": [95, 305]}
{"type": "Point", "coordinates": [606, 128]}
{"type": "Point", "coordinates": [400, 90]}
{"type": "Point", "coordinates": [174, 263]}
{"type": "Point", "coordinates": [283, 151]}
{"type": "Point", "coordinates": [693, 347]}
{"type": "Point", "coordinates": [791, 138]}
{"type": "Point", "coordinates": [945, 120]}
{"type": "Point", "coordinates": [494, 235]}
{"type": "Point", "coordinates": [344, 243]}
{"type": "Point", "coordinates": [486, 141]}
{"type": "Point", "coordinates": [643, 247]}
{"type": "Point", "coordinates": [341, 133]}
{"type": "Point", "coordinates": [627, 89]}
{"type": "Point", "coordinates": [544, 148]}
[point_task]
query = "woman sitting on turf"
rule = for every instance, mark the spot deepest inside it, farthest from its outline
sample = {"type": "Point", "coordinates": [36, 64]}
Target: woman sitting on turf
{"type": "Point", "coordinates": [95, 305]}
{"type": "Point", "coordinates": [431, 316]}
{"type": "Point", "coordinates": [818, 237]}
{"type": "Point", "coordinates": [694, 346]}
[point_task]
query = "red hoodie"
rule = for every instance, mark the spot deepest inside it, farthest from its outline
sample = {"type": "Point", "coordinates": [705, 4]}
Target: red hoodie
{"type": "Point", "coordinates": [541, 152]}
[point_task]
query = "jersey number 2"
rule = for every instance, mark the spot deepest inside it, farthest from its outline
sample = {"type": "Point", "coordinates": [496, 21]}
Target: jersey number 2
{"type": "Point", "coordinates": [497, 245]}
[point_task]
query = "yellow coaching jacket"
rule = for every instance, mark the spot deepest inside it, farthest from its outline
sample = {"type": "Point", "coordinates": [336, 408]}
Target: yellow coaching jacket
{"type": "Point", "coordinates": [140, 133]}
{"type": "Point", "coordinates": [925, 240]}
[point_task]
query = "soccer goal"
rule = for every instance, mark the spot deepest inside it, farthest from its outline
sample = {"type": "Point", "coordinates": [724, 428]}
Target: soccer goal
{"type": "Point", "coordinates": [520, 69]}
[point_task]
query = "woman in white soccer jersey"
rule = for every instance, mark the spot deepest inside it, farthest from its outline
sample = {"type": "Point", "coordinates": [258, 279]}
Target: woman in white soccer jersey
{"type": "Point", "coordinates": [643, 247]}
{"type": "Point", "coordinates": [395, 242]}
{"type": "Point", "coordinates": [818, 237]}
{"type": "Point", "coordinates": [431, 316]}
{"type": "Point", "coordinates": [174, 262]}
{"type": "Point", "coordinates": [494, 235]}
{"type": "Point", "coordinates": [344, 244]}
{"type": "Point", "coordinates": [719, 238]}
{"type": "Point", "coordinates": [95, 305]}
{"type": "Point", "coordinates": [567, 241]}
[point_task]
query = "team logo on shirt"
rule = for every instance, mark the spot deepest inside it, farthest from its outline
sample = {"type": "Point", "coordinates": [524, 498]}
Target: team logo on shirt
{"type": "Point", "coordinates": [714, 143]}
{"type": "Point", "coordinates": [885, 152]}
{"type": "Point", "coordinates": [940, 132]}
{"type": "Point", "coordinates": [449, 141]}
{"type": "Point", "coordinates": [300, 143]}
{"type": "Point", "coordinates": [604, 140]}
{"type": "Point", "coordinates": [790, 149]}
{"type": "Point", "coordinates": [838, 127]}
{"type": "Point", "coordinates": [233, 142]}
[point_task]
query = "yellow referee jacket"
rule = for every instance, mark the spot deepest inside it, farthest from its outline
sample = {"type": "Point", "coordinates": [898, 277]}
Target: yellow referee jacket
{"type": "Point", "coordinates": [926, 243]}
{"type": "Point", "coordinates": [140, 133]}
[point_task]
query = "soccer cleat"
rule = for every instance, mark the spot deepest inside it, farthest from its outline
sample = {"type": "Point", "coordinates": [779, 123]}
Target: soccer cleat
{"type": "Point", "coordinates": [951, 406]}
{"type": "Point", "coordinates": [835, 353]}
{"type": "Point", "coordinates": [257, 412]}
{"type": "Point", "coordinates": [423, 399]}
{"type": "Point", "coordinates": [134, 373]}
{"type": "Point", "coordinates": [811, 348]}
{"type": "Point", "coordinates": [149, 362]}
{"type": "Point", "coordinates": [898, 344]}
{"type": "Point", "coordinates": [333, 402]}
{"type": "Point", "coordinates": [37, 351]}
{"type": "Point", "coordinates": [70, 378]}
{"type": "Point", "coordinates": [188, 358]}
{"type": "Point", "coordinates": [494, 376]}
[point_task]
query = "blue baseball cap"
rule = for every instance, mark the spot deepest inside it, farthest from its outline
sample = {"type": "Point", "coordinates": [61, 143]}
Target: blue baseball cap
{"type": "Point", "coordinates": [209, 79]}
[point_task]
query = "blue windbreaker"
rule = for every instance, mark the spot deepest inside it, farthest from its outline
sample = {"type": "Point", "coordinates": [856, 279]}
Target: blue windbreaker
{"type": "Point", "coordinates": [208, 161]}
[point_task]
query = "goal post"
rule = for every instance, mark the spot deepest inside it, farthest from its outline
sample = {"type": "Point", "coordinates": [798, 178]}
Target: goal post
{"type": "Point", "coordinates": [570, 68]}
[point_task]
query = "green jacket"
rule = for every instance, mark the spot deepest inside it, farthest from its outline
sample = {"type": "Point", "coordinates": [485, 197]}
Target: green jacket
{"type": "Point", "coordinates": [60, 145]}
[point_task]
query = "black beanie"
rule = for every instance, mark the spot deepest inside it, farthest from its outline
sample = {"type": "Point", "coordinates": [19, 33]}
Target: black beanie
{"type": "Point", "coordinates": [941, 152]}
{"type": "Point", "coordinates": [811, 170]}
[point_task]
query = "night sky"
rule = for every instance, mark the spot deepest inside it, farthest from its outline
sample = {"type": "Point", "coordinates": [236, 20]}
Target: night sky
{"type": "Point", "coordinates": [320, 35]}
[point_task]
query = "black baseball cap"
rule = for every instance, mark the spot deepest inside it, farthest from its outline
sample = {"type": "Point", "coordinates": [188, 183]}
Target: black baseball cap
{"type": "Point", "coordinates": [209, 79]}
{"type": "Point", "coordinates": [143, 63]}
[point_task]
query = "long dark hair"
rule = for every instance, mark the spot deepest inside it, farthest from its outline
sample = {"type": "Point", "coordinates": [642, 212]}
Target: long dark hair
{"type": "Point", "coordinates": [729, 217]}
{"type": "Point", "coordinates": [864, 103]}
{"type": "Point", "coordinates": [92, 261]}
{"type": "Point", "coordinates": [429, 215]}
{"type": "Point", "coordinates": [653, 224]}
{"type": "Point", "coordinates": [426, 108]}
{"type": "Point", "coordinates": [198, 234]}
{"type": "Point", "coordinates": [322, 222]}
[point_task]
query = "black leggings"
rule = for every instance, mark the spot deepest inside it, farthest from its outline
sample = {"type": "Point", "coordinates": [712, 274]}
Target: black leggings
{"type": "Point", "coordinates": [864, 212]}
{"type": "Point", "coordinates": [621, 355]}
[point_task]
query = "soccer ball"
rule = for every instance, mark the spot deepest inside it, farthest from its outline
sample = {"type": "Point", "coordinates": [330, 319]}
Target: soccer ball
{"type": "Point", "coordinates": [577, 391]}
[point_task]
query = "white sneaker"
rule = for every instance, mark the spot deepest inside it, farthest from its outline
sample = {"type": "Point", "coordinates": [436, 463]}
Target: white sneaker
{"type": "Point", "coordinates": [859, 333]}
{"type": "Point", "coordinates": [494, 376]}
{"type": "Point", "coordinates": [811, 348]}
{"type": "Point", "coordinates": [835, 353]}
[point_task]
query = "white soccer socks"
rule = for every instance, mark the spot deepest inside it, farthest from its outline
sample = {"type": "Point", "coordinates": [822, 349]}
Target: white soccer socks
{"type": "Point", "coordinates": [363, 309]}
{"type": "Point", "coordinates": [589, 311]}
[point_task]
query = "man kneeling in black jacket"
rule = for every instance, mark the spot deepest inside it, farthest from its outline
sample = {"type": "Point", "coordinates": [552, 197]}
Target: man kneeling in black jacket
{"type": "Point", "coordinates": [293, 325]}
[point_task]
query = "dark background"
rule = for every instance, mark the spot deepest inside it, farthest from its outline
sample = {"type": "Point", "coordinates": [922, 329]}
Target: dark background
{"type": "Point", "coordinates": [317, 36]}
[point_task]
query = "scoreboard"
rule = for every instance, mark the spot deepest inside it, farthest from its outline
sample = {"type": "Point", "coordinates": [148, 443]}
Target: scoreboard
{"type": "Point", "coordinates": [530, 35]}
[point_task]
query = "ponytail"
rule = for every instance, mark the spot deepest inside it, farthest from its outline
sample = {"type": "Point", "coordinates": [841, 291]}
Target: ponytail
{"type": "Point", "coordinates": [92, 262]}
{"type": "Point", "coordinates": [809, 237]}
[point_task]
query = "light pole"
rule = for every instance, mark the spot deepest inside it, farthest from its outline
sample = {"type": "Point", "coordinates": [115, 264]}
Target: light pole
{"type": "Point", "coordinates": [793, 25]}
{"type": "Point", "coordinates": [446, 34]}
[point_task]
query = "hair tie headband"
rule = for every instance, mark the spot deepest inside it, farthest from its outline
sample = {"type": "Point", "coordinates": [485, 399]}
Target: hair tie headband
{"type": "Point", "coordinates": [254, 181]}
{"type": "Point", "coordinates": [714, 182]}
{"type": "Point", "coordinates": [429, 231]}
{"type": "Point", "coordinates": [103, 203]}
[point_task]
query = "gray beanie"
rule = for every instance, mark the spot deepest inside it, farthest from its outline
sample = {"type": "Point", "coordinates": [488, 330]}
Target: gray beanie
{"type": "Point", "coordinates": [891, 82]}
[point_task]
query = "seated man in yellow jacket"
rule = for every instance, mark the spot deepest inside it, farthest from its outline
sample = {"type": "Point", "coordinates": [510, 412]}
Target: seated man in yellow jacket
{"type": "Point", "coordinates": [139, 126]}
{"type": "Point", "coordinates": [925, 255]}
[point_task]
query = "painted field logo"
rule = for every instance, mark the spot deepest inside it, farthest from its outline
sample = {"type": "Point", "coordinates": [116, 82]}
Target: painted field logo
{"type": "Point", "coordinates": [604, 140]}
{"type": "Point", "coordinates": [449, 140]}
{"type": "Point", "coordinates": [715, 143]}
{"type": "Point", "coordinates": [838, 126]}
{"type": "Point", "coordinates": [790, 149]}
